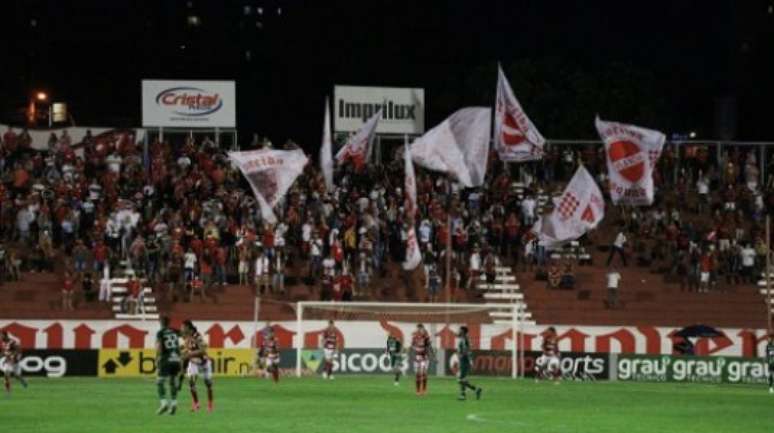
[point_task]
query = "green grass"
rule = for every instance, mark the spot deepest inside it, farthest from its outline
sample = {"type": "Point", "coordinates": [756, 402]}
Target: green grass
{"type": "Point", "coordinates": [372, 404]}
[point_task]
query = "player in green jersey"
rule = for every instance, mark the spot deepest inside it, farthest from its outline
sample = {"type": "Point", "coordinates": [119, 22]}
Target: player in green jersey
{"type": "Point", "coordinates": [770, 361]}
{"type": "Point", "coordinates": [168, 364]}
{"type": "Point", "coordinates": [465, 364]}
{"type": "Point", "coordinates": [395, 350]}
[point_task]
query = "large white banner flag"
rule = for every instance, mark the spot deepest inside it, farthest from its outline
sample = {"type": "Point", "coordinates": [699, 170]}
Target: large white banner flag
{"type": "Point", "coordinates": [632, 153]}
{"type": "Point", "coordinates": [270, 174]}
{"type": "Point", "coordinates": [358, 147]}
{"type": "Point", "coordinates": [459, 146]}
{"type": "Point", "coordinates": [579, 209]}
{"type": "Point", "coordinates": [515, 137]}
{"type": "Point", "coordinates": [413, 256]}
{"type": "Point", "coordinates": [326, 150]}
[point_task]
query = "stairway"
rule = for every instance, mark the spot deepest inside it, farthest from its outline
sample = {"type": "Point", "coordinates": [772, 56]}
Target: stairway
{"type": "Point", "coordinates": [764, 293]}
{"type": "Point", "coordinates": [502, 296]}
{"type": "Point", "coordinates": [146, 306]}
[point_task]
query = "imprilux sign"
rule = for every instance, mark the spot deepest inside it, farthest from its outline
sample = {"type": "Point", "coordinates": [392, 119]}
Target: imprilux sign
{"type": "Point", "coordinates": [189, 104]}
{"type": "Point", "coordinates": [403, 109]}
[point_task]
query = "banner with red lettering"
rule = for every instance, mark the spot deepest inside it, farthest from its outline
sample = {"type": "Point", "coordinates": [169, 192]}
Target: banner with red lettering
{"type": "Point", "coordinates": [270, 174]}
{"type": "Point", "coordinates": [115, 334]}
{"type": "Point", "coordinates": [632, 153]}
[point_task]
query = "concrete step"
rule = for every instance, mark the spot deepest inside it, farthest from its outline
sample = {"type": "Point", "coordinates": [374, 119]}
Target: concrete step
{"type": "Point", "coordinates": [146, 299]}
{"type": "Point", "coordinates": [498, 287]}
{"type": "Point", "coordinates": [508, 296]}
{"type": "Point", "coordinates": [149, 316]}
{"type": "Point", "coordinates": [120, 289]}
{"type": "Point", "coordinates": [500, 278]}
{"type": "Point", "coordinates": [148, 309]}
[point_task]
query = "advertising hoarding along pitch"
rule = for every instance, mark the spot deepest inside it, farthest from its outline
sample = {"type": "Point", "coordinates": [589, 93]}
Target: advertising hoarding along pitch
{"type": "Point", "coordinates": [142, 362]}
{"type": "Point", "coordinates": [189, 104]}
{"type": "Point", "coordinates": [59, 363]}
{"type": "Point", "coordinates": [693, 369]}
{"type": "Point", "coordinates": [403, 109]}
{"type": "Point", "coordinates": [498, 363]}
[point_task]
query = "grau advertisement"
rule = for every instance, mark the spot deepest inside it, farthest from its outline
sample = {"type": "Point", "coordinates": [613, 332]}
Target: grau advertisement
{"type": "Point", "coordinates": [719, 369]}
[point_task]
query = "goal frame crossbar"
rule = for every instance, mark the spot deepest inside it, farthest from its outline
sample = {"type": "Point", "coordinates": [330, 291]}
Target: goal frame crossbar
{"type": "Point", "coordinates": [517, 326]}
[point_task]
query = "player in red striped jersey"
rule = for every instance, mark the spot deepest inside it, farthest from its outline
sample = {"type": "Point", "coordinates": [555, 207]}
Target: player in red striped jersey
{"type": "Point", "coordinates": [330, 341]}
{"type": "Point", "coordinates": [195, 353]}
{"type": "Point", "coordinates": [270, 355]}
{"type": "Point", "coordinates": [423, 351]}
{"type": "Point", "coordinates": [10, 358]}
{"type": "Point", "coordinates": [548, 364]}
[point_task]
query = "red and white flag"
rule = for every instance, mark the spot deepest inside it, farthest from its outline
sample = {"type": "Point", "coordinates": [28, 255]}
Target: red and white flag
{"type": "Point", "coordinates": [326, 150]}
{"type": "Point", "coordinates": [459, 146]}
{"type": "Point", "coordinates": [413, 256]}
{"type": "Point", "coordinates": [579, 209]}
{"type": "Point", "coordinates": [632, 153]}
{"type": "Point", "coordinates": [358, 147]}
{"type": "Point", "coordinates": [515, 137]}
{"type": "Point", "coordinates": [270, 174]}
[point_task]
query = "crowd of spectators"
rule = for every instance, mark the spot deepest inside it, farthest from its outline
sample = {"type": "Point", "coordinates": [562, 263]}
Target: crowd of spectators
{"type": "Point", "coordinates": [181, 217]}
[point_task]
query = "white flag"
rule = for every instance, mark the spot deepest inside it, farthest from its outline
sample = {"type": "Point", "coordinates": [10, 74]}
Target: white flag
{"type": "Point", "coordinates": [515, 137]}
{"type": "Point", "coordinates": [326, 151]}
{"type": "Point", "coordinates": [413, 256]}
{"type": "Point", "coordinates": [458, 146]}
{"type": "Point", "coordinates": [270, 174]}
{"type": "Point", "coordinates": [358, 147]}
{"type": "Point", "coordinates": [579, 209]}
{"type": "Point", "coordinates": [632, 153]}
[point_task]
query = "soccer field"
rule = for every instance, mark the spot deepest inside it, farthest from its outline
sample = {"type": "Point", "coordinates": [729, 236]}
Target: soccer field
{"type": "Point", "coordinates": [374, 404]}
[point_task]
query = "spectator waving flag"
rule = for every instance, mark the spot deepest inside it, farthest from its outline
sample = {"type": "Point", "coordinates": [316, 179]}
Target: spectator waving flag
{"type": "Point", "coordinates": [579, 209]}
{"type": "Point", "coordinates": [413, 256]}
{"type": "Point", "coordinates": [326, 150]}
{"type": "Point", "coordinates": [632, 153]}
{"type": "Point", "coordinates": [358, 147]}
{"type": "Point", "coordinates": [515, 137]}
{"type": "Point", "coordinates": [270, 174]}
{"type": "Point", "coordinates": [458, 146]}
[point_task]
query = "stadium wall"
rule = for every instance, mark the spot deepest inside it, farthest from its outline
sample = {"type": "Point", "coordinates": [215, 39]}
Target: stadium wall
{"type": "Point", "coordinates": [639, 340]}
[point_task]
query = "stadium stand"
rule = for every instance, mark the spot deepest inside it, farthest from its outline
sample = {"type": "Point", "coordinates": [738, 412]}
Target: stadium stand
{"type": "Point", "coordinates": [183, 221]}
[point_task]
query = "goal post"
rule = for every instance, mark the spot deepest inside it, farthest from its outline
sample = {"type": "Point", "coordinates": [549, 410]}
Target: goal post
{"type": "Point", "coordinates": [366, 325]}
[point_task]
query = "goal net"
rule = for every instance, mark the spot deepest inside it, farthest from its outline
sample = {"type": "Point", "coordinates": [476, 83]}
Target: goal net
{"type": "Point", "coordinates": [362, 329]}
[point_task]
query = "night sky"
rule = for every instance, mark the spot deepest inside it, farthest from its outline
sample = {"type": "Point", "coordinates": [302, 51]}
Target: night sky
{"type": "Point", "coordinates": [682, 55]}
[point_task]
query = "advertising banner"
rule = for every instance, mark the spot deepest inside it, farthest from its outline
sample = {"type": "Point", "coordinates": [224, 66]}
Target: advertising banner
{"type": "Point", "coordinates": [358, 361]}
{"type": "Point", "coordinates": [403, 109]}
{"type": "Point", "coordinates": [134, 363]}
{"type": "Point", "coordinates": [643, 340]}
{"type": "Point", "coordinates": [499, 362]}
{"type": "Point", "coordinates": [189, 104]}
{"type": "Point", "coordinates": [719, 369]}
{"type": "Point", "coordinates": [59, 363]}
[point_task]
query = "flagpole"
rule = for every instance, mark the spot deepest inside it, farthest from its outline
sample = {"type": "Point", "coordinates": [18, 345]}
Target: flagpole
{"type": "Point", "coordinates": [448, 256]}
{"type": "Point", "coordinates": [448, 247]}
